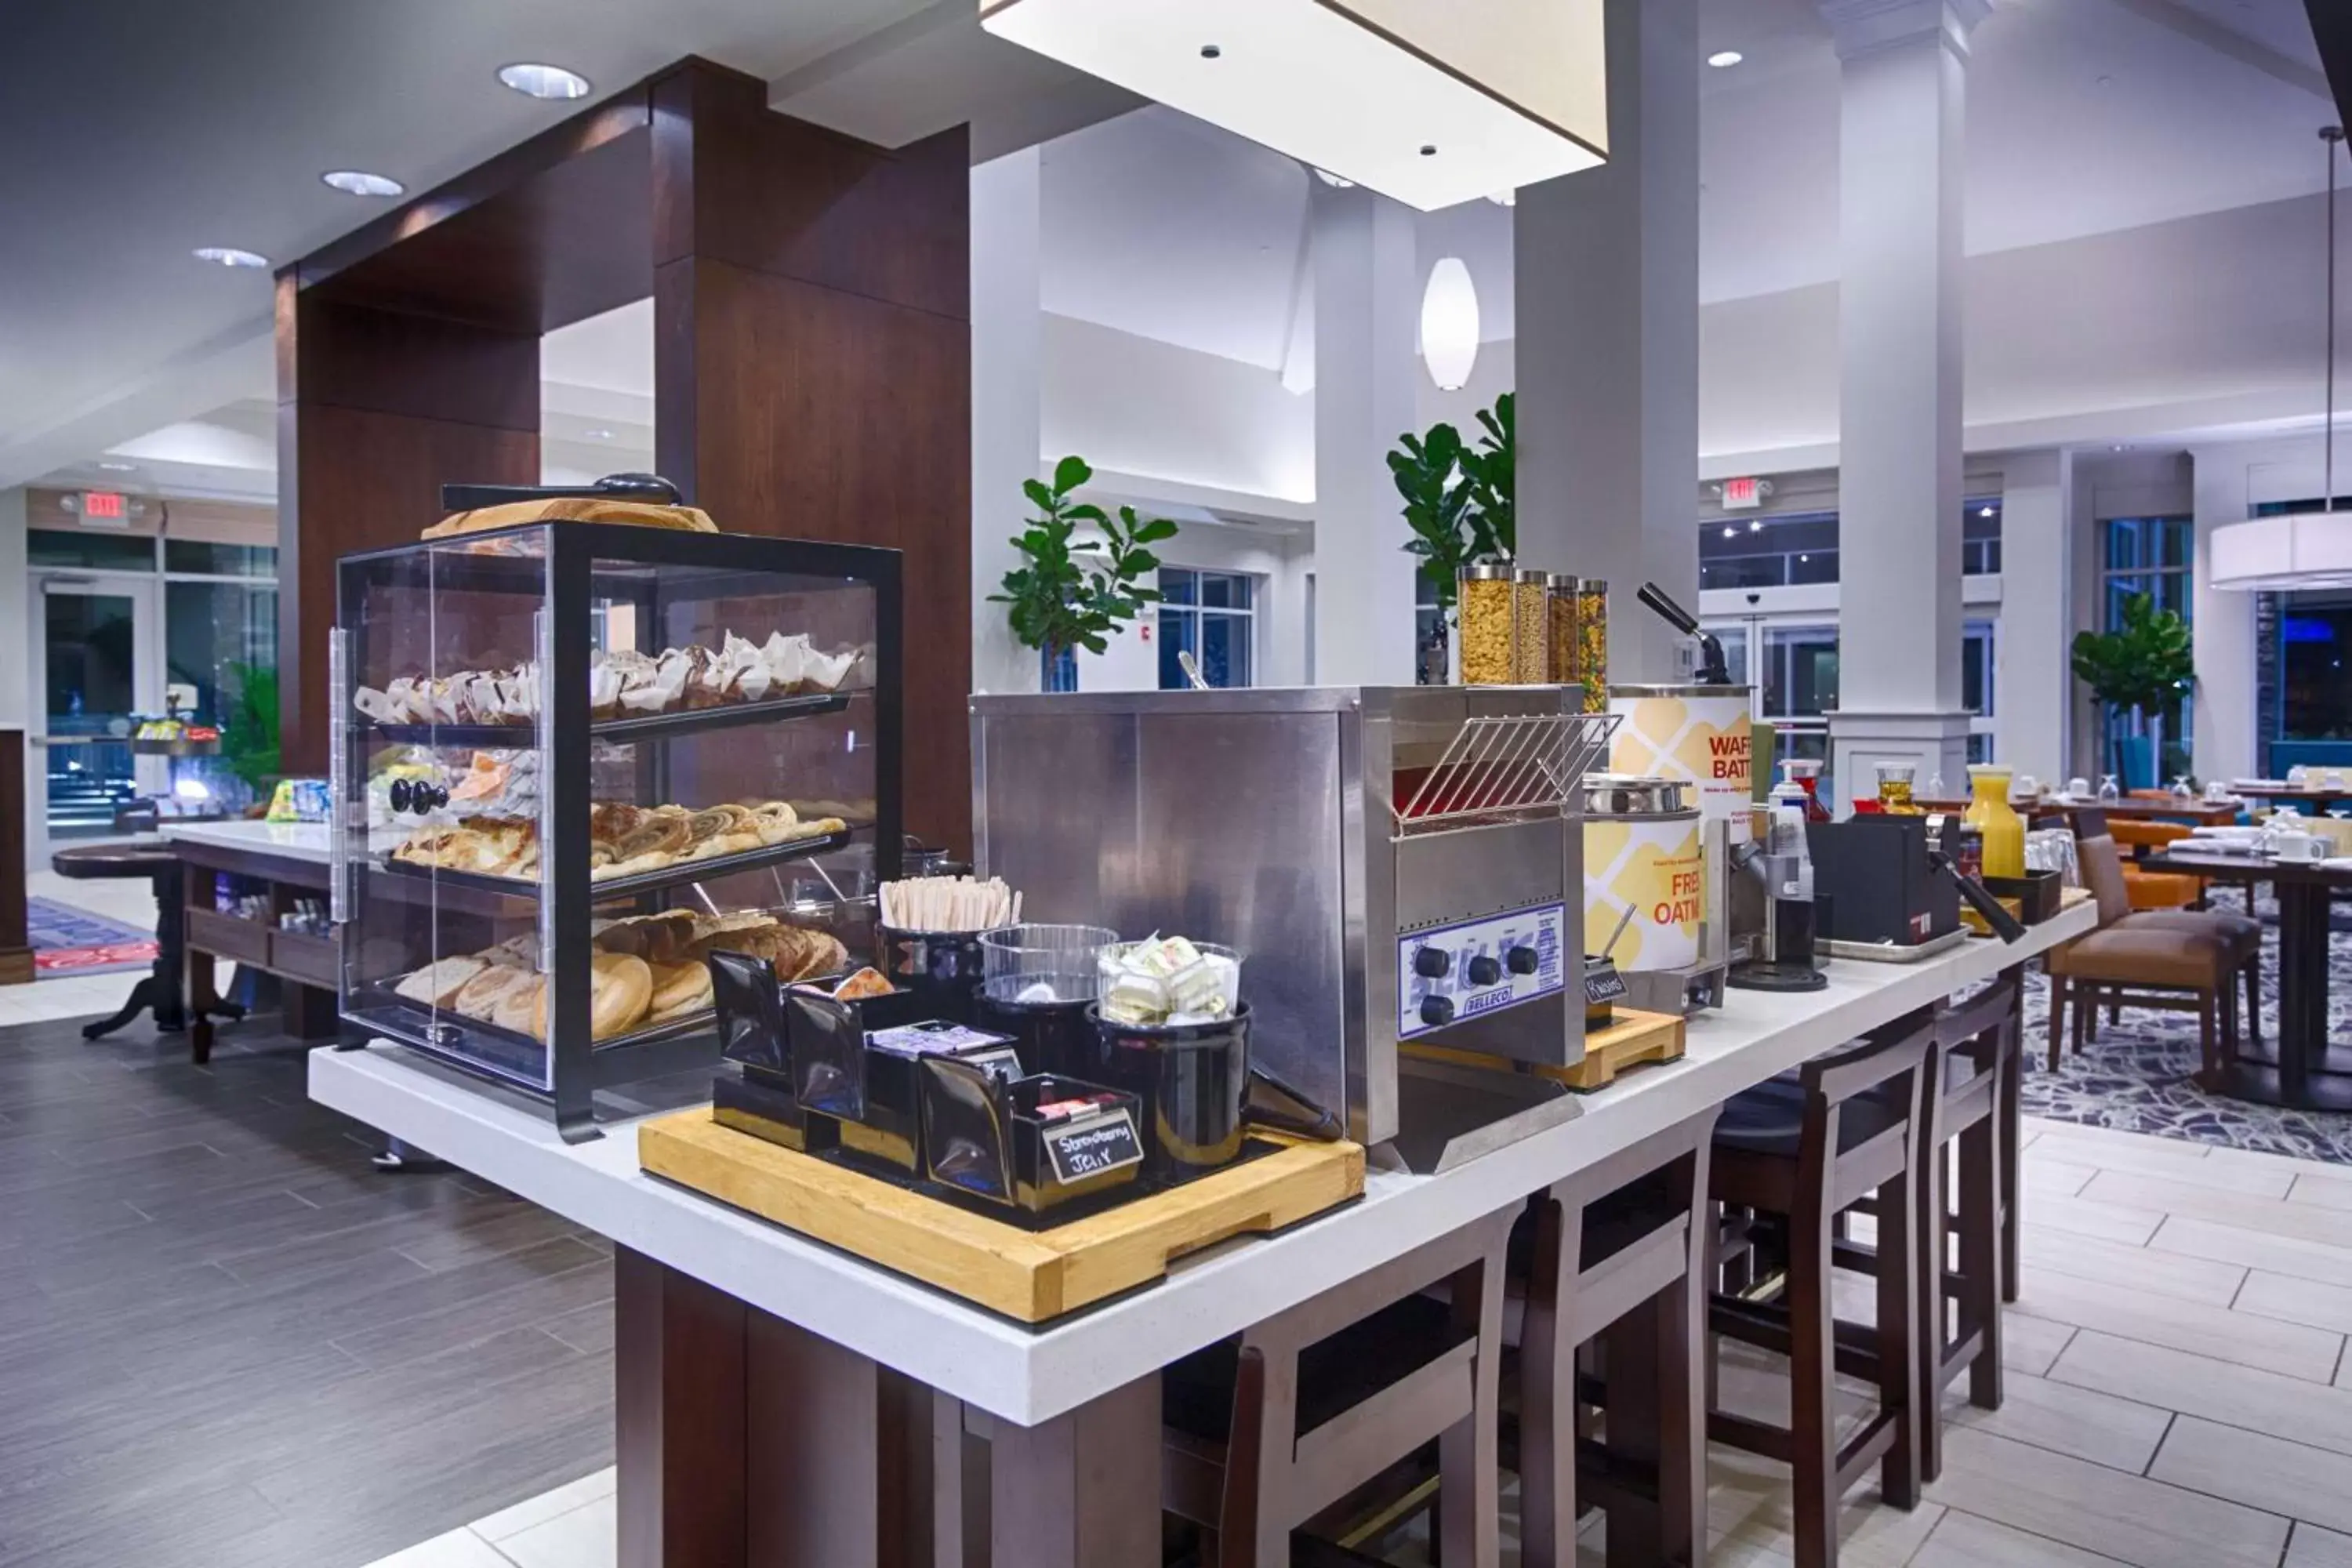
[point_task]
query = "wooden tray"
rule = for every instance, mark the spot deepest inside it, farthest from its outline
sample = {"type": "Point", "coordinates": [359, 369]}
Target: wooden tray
{"type": "Point", "coordinates": [1029, 1276]}
{"type": "Point", "coordinates": [1635, 1037]}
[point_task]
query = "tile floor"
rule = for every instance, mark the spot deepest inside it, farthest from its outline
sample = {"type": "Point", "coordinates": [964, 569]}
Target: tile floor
{"type": "Point", "coordinates": [82, 995]}
{"type": "Point", "coordinates": [2178, 1393]}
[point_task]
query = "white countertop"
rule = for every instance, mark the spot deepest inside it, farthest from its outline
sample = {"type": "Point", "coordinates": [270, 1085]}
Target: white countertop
{"type": "Point", "coordinates": [293, 840]}
{"type": "Point", "coordinates": [1032, 1375]}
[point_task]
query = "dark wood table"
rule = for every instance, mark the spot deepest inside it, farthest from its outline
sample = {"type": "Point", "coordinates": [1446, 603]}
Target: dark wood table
{"type": "Point", "coordinates": [286, 867]}
{"type": "Point", "coordinates": [150, 860]}
{"type": "Point", "coordinates": [2197, 812]}
{"type": "Point", "coordinates": [2319, 800]}
{"type": "Point", "coordinates": [2305, 1074]}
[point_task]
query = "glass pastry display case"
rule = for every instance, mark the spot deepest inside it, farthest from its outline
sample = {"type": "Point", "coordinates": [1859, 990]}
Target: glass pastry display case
{"type": "Point", "coordinates": [571, 759]}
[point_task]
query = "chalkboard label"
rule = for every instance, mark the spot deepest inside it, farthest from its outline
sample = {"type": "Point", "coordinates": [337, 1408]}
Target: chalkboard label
{"type": "Point", "coordinates": [1090, 1148]}
{"type": "Point", "coordinates": [1604, 985]}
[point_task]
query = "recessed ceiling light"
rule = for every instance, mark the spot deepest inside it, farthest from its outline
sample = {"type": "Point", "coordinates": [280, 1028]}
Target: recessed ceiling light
{"type": "Point", "coordinates": [1724, 59]}
{"type": "Point", "coordinates": [229, 256]}
{"type": "Point", "coordinates": [1986, 511]}
{"type": "Point", "coordinates": [359, 182]}
{"type": "Point", "coordinates": [1504, 199]}
{"type": "Point", "coordinates": [1802, 560]}
{"type": "Point", "coordinates": [118, 467]}
{"type": "Point", "coordinates": [1334, 181]}
{"type": "Point", "coordinates": [544, 81]}
{"type": "Point", "coordinates": [1756, 525]}
{"type": "Point", "coordinates": [1729, 532]}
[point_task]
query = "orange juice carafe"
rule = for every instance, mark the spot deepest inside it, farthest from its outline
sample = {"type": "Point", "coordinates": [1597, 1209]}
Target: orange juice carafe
{"type": "Point", "coordinates": [1989, 811]}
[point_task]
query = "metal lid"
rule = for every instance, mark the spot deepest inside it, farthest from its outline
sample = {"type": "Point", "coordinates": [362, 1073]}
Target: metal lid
{"type": "Point", "coordinates": [1485, 572]}
{"type": "Point", "coordinates": [1531, 574]}
{"type": "Point", "coordinates": [1563, 581]}
{"type": "Point", "coordinates": [1683, 691]}
{"type": "Point", "coordinates": [1628, 795]}
{"type": "Point", "coordinates": [1593, 585]}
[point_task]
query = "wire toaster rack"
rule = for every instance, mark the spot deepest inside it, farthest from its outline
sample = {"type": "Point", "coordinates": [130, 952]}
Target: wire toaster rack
{"type": "Point", "coordinates": [1506, 767]}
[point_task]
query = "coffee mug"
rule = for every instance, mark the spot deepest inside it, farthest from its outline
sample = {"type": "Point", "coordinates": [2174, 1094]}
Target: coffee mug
{"type": "Point", "coordinates": [2299, 849]}
{"type": "Point", "coordinates": [2078, 789]}
{"type": "Point", "coordinates": [2216, 792]}
{"type": "Point", "coordinates": [2027, 785]}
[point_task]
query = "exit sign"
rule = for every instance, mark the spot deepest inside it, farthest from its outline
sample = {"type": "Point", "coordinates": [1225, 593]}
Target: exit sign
{"type": "Point", "coordinates": [1743, 495]}
{"type": "Point", "coordinates": [106, 508]}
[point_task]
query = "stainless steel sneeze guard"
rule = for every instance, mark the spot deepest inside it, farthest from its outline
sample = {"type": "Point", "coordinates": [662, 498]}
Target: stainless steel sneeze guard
{"type": "Point", "coordinates": [1350, 841]}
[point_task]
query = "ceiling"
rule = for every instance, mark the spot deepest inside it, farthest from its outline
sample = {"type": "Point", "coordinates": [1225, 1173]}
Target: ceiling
{"type": "Point", "coordinates": [210, 124]}
{"type": "Point", "coordinates": [2085, 117]}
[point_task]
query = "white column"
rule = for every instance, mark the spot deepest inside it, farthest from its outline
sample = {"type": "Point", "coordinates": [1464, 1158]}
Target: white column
{"type": "Point", "coordinates": [1606, 278]}
{"type": "Point", "coordinates": [1366, 321]}
{"type": "Point", "coordinates": [1901, 198]}
{"type": "Point", "coordinates": [1006, 350]}
{"type": "Point", "coordinates": [2037, 615]}
{"type": "Point", "coordinates": [2221, 622]}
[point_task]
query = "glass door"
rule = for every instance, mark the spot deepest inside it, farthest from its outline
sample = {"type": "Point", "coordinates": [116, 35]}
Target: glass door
{"type": "Point", "coordinates": [94, 663]}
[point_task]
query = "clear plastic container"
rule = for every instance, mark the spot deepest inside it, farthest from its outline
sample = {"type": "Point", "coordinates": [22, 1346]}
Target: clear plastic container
{"type": "Point", "coordinates": [1030, 962]}
{"type": "Point", "coordinates": [1486, 604]}
{"type": "Point", "coordinates": [1530, 627]}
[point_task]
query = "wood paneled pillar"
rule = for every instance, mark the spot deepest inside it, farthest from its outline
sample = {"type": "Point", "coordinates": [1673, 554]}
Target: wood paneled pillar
{"type": "Point", "coordinates": [812, 368]}
{"type": "Point", "coordinates": [375, 409]}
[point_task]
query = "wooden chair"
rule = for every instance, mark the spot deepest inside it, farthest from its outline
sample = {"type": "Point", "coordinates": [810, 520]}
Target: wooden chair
{"type": "Point", "coordinates": [1809, 1147]}
{"type": "Point", "coordinates": [2140, 961]}
{"type": "Point", "coordinates": [1622, 1254]}
{"type": "Point", "coordinates": [1309, 1406]}
{"type": "Point", "coordinates": [1978, 1042]}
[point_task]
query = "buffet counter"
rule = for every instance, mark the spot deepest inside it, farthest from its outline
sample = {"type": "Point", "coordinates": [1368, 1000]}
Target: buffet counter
{"type": "Point", "coordinates": [256, 893]}
{"type": "Point", "coordinates": [1078, 1395]}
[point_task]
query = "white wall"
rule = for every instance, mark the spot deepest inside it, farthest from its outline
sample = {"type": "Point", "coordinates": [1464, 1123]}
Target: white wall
{"type": "Point", "coordinates": [1151, 409]}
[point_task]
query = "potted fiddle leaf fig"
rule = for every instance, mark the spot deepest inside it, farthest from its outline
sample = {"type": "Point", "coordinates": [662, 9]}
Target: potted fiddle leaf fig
{"type": "Point", "coordinates": [1459, 499]}
{"type": "Point", "coordinates": [1072, 591]}
{"type": "Point", "coordinates": [2141, 669]}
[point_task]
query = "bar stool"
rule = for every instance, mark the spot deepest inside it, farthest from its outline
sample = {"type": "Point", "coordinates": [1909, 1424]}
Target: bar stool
{"type": "Point", "coordinates": [1621, 1252]}
{"type": "Point", "coordinates": [1265, 1432]}
{"type": "Point", "coordinates": [1808, 1147]}
{"type": "Point", "coordinates": [1979, 1043]}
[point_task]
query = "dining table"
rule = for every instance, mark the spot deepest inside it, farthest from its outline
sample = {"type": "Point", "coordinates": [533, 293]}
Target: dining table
{"type": "Point", "coordinates": [2320, 798]}
{"type": "Point", "coordinates": [2049, 807]}
{"type": "Point", "coordinates": [2298, 1070]}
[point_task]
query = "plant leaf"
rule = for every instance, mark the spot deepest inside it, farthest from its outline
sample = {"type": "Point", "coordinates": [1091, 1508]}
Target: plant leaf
{"type": "Point", "coordinates": [1068, 475]}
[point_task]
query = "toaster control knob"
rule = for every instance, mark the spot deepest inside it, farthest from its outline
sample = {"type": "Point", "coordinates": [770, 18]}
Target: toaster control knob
{"type": "Point", "coordinates": [1521, 960]}
{"type": "Point", "coordinates": [1486, 969]}
{"type": "Point", "coordinates": [1431, 962]}
{"type": "Point", "coordinates": [1436, 1011]}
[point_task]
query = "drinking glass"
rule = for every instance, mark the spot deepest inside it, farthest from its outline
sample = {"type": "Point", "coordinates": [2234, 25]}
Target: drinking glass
{"type": "Point", "coordinates": [2109, 792]}
{"type": "Point", "coordinates": [2181, 790]}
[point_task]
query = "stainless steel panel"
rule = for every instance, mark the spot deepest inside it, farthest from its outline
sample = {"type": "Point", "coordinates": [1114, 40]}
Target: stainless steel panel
{"type": "Point", "coordinates": [1470, 872]}
{"type": "Point", "coordinates": [1224, 825]}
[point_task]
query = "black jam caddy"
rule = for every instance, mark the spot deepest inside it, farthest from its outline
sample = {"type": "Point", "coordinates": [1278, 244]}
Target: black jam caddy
{"type": "Point", "coordinates": [1035, 1152]}
{"type": "Point", "coordinates": [857, 1071]}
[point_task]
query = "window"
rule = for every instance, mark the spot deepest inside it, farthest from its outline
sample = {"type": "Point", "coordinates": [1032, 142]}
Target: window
{"type": "Point", "coordinates": [70, 547]}
{"type": "Point", "coordinates": [1980, 536]}
{"type": "Point", "coordinates": [1213, 617]}
{"type": "Point", "coordinates": [1737, 551]}
{"type": "Point", "coordinates": [2303, 701]}
{"type": "Point", "coordinates": [1980, 659]}
{"type": "Point", "coordinates": [1801, 671]}
{"type": "Point", "coordinates": [202, 558]}
{"type": "Point", "coordinates": [1428, 623]}
{"type": "Point", "coordinates": [2146, 555]}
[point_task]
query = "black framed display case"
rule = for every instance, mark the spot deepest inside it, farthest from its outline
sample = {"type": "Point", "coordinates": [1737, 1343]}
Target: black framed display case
{"type": "Point", "coordinates": [569, 758]}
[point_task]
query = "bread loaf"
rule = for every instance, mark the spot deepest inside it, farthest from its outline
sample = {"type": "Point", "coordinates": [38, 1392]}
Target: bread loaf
{"type": "Point", "coordinates": [574, 508]}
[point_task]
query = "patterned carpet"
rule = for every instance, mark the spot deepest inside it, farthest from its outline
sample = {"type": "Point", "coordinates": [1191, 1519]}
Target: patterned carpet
{"type": "Point", "coordinates": [67, 941]}
{"type": "Point", "coordinates": [2137, 1076]}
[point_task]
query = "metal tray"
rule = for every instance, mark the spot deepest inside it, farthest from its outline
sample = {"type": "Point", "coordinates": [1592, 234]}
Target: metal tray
{"type": "Point", "coordinates": [677, 876]}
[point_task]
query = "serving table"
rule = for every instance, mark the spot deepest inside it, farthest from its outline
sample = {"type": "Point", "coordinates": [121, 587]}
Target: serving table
{"type": "Point", "coordinates": [284, 863]}
{"type": "Point", "coordinates": [2305, 1074]}
{"type": "Point", "coordinates": [779, 1401]}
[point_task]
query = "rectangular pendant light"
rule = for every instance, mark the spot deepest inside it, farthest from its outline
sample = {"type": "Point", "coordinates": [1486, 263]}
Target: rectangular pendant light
{"type": "Point", "coordinates": [1429, 101]}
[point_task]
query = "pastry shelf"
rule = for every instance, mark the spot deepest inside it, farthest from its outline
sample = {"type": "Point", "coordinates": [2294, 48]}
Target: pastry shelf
{"type": "Point", "coordinates": [672, 876]}
{"type": "Point", "coordinates": [422, 1025]}
{"type": "Point", "coordinates": [628, 730]}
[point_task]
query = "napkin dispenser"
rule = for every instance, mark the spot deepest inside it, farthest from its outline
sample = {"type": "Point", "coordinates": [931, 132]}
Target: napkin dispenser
{"type": "Point", "coordinates": [1872, 881]}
